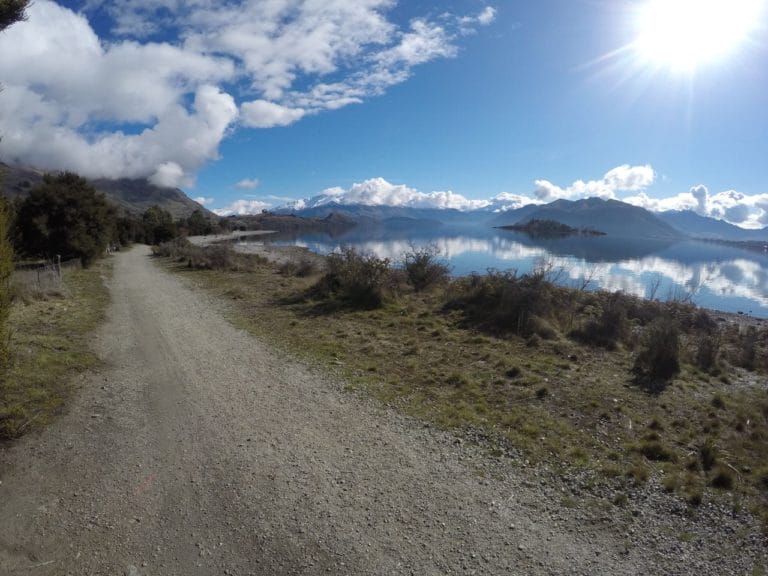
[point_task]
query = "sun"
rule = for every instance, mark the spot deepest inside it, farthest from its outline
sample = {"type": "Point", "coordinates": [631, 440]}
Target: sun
{"type": "Point", "coordinates": [683, 35]}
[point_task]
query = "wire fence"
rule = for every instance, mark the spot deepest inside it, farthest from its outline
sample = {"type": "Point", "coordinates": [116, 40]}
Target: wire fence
{"type": "Point", "coordinates": [44, 277]}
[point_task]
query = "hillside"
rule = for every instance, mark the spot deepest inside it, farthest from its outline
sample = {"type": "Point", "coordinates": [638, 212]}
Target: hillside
{"type": "Point", "coordinates": [333, 224]}
{"type": "Point", "coordinates": [397, 216]}
{"type": "Point", "coordinates": [697, 226]}
{"type": "Point", "coordinates": [612, 217]}
{"type": "Point", "coordinates": [132, 195]}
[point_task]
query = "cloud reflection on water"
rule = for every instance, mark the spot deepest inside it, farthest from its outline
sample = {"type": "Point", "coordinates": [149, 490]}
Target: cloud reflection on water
{"type": "Point", "coordinates": [712, 275]}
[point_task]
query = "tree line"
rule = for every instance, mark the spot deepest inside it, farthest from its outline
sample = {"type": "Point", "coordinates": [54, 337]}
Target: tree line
{"type": "Point", "coordinates": [65, 216]}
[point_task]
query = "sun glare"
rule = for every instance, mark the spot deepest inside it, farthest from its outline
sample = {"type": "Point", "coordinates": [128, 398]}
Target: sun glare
{"type": "Point", "coordinates": [686, 34]}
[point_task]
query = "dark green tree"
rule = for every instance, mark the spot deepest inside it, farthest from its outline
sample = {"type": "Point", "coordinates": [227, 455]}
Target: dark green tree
{"type": "Point", "coordinates": [12, 11]}
{"type": "Point", "coordinates": [198, 225]}
{"type": "Point", "coordinates": [128, 230]}
{"type": "Point", "coordinates": [158, 225]}
{"type": "Point", "coordinates": [65, 216]}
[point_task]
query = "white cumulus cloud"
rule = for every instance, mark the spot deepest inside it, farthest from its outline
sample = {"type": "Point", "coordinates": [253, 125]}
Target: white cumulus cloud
{"type": "Point", "coordinates": [247, 184]}
{"type": "Point", "coordinates": [263, 114]}
{"type": "Point", "coordinates": [626, 183]}
{"type": "Point", "coordinates": [242, 208]}
{"type": "Point", "coordinates": [623, 178]}
{"type": "Point", "coordinates": [744, 210]}
{"type": "Point", "coordinates": [156, 96]}
{"type": "Point", "coordinates": [203, 201]}
{"type": "Point", "coordinates": [380, 192]}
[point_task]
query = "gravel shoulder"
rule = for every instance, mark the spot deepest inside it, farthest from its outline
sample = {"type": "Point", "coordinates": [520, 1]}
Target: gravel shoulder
{"type": "Point", "coordinates": [195, 449]}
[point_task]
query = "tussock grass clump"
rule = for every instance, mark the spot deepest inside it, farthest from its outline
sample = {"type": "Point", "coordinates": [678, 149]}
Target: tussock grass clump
{"type": "Point", "coordinates": [722, 478]}
{"type": "Point", "coordinates": [654, 449]}
{"type": "Point", "coordinates": [301, 269]}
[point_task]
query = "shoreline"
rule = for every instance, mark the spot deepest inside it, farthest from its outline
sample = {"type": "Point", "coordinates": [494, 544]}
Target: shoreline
{"type": "Point", "coordinates": [228, 237]}
{"type": "Point", "coordinates": [295, 254]}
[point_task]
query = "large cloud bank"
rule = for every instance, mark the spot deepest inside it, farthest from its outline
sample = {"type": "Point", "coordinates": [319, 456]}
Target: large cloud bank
{"type": "Point", "coordinates": [626, 183]}
{"type": "Point", "coordinates": [745, 210]}
{"type": "Point", "coordinates": [156, 96]}
{"type": "Point", "coordinates": [380, 192]}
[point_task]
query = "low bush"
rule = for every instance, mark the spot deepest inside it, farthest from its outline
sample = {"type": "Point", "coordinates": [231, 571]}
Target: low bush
{"type": "Point", "coordinates": [658, 359]}
{"type": "Point", "coordinates": [706, 354]}
{"type": "Point", "coordinates": [610, 327]}
{"type": "Point", "coordinates": [300, 269]}
{"type": "Point", "coordinates": [355, 279]}
{"type": "Point", "coordinates": [214, 257]}
{"type": "Point", "coordinates": [503, 303]}
{"type": "Point", "coordinates": [722, 478]}
{"type": "Point", "coordinates": [423, 268]}
{"type": "Point", "coordinates": [748, 356]}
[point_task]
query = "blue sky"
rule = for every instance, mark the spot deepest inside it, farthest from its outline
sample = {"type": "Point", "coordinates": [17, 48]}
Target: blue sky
{"type": "Point", "coordinates": [451, 103]}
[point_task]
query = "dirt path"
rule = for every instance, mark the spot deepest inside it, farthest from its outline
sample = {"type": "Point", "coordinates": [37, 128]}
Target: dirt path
{"type": "Point", "coordinates": [197, 450]}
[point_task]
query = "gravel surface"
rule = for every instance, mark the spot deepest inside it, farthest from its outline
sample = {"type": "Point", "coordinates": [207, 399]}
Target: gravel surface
{"type": "Point", "coordinates": [198, 450]}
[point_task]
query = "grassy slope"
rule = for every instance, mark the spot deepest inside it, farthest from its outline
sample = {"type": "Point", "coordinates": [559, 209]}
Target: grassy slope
{"type": "Point", "coordinates": [559, 403]}
{"type": "Point", "coordinates": [50, 345]}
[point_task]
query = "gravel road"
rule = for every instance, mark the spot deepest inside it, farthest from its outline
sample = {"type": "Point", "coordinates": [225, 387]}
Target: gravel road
{"type": "Point", "coordinates": [196, 449]}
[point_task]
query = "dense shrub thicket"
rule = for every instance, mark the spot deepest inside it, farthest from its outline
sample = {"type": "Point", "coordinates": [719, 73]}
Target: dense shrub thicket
{"type": "Point", "coordinates": [664, 335]}
{"type": "Point", "coordinates": [66, 216]}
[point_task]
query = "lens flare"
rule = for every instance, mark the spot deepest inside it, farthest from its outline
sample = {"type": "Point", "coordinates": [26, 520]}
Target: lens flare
{"type": "Point", "coordinates": [686, 34]}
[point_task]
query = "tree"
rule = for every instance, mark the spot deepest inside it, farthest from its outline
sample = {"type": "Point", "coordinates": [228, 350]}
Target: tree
{"type": "Point", "coordinates": [12, 11]}
{"type": "Point", "coordinates": [65, 216]}
{"type": "Point", "coordinates": [6, 270]}
{"type": "Point", "coordinates": [158, 225]}
{"type": "Point", "coordinates": [198, 224]}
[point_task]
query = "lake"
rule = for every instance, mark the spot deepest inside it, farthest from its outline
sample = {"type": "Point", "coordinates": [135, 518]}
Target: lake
{"type": "Point", "coordinates": [712, 275]}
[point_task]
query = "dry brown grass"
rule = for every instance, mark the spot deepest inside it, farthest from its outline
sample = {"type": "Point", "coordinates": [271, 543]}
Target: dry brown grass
{"type": "Point", "coordinates": [51, 329]}
{"type": "Point", "coordinates": [556, 401]}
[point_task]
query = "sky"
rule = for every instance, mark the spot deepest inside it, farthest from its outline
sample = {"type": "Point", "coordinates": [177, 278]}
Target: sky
{"type": "Point", "coordinates": [251, 104]}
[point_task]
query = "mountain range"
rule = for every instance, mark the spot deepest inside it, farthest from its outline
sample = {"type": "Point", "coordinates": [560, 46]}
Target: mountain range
{"type": "Point", "coordinates": [612, 217]}
{"type": "Point", "coordinates": [134, 196]}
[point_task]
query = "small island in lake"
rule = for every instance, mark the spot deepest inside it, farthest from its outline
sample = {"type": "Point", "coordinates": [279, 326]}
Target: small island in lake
{"type": "Point", "coordinates": [550, 229]}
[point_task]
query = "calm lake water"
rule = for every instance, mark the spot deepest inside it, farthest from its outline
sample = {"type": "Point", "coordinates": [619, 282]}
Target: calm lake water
{"type": "Point", "coordinates": [714, 276]}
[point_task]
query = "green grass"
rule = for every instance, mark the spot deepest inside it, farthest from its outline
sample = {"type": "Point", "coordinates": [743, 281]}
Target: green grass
{"type": "Point", "coordinates": [50, 345]}
{"type": "Point", "coordinates": [560, 402]}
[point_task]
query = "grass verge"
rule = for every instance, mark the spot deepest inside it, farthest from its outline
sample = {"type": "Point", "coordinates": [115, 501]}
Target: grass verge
{"type": "Point", "coordinates": [50, 337]}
